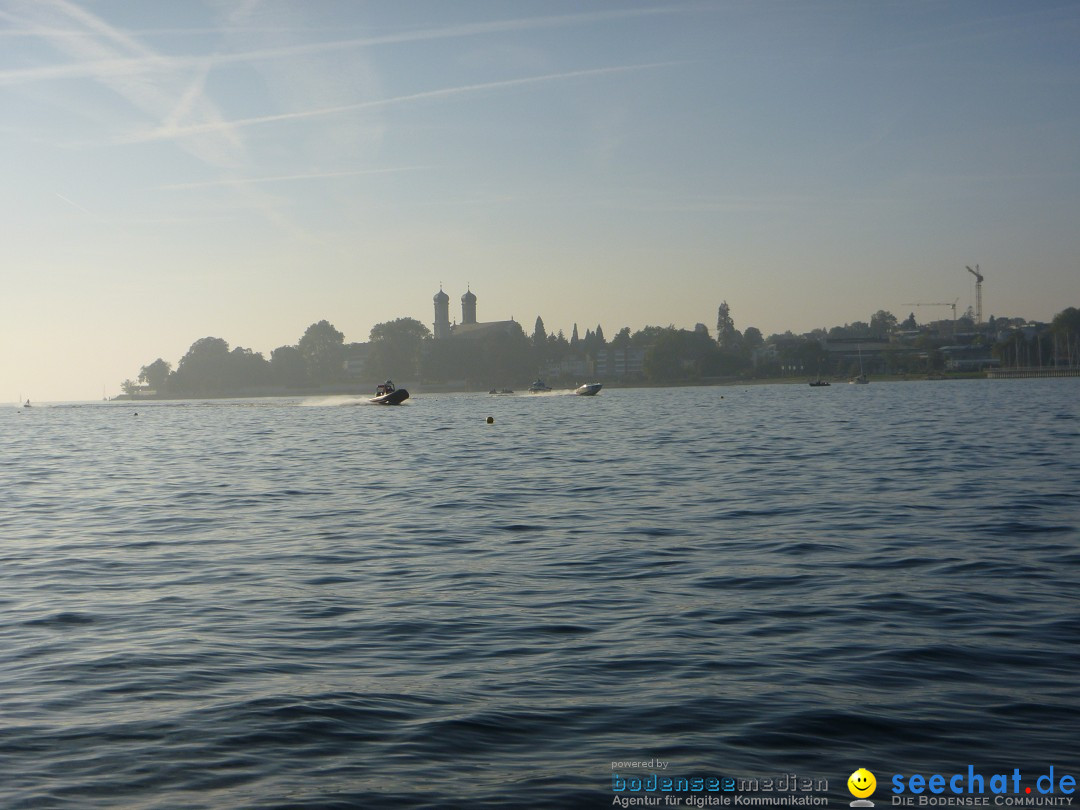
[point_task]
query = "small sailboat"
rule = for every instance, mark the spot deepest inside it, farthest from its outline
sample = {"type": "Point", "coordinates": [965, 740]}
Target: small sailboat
{"type": "Point", "coordinates": [862, 379]}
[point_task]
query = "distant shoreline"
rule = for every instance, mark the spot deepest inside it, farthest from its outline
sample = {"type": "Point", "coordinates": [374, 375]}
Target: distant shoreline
{"type": "Point", "coordinates": [436, 388]}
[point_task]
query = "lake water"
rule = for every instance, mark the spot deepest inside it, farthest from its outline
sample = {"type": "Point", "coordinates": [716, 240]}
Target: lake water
{"type": "Point", "coordinates": [319, 604]}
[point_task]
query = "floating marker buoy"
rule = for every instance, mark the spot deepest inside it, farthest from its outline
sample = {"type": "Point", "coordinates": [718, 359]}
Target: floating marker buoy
{"type": "Point", "coordinates": [491, 420]}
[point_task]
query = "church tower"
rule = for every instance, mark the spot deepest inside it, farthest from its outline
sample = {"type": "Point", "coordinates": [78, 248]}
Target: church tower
{"type": "Point", "coordinates": [468, 307]}
{"type": "Point", "coordinates": [442, 315]}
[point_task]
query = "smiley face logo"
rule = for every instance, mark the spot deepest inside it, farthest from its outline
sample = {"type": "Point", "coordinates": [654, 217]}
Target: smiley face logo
{"type": "Point", "coordinates": [861, 783]}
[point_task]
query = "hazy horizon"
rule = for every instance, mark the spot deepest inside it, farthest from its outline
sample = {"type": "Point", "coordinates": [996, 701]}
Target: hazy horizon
{"type": "Point", "coordinates": [245, 169]}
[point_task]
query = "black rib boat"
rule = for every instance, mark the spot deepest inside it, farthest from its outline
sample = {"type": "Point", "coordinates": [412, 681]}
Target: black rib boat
{"type": "Point", "coordinates": [387, 394]}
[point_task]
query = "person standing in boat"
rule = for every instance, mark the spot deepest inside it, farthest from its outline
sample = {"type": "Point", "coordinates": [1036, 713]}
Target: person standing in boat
{"type": "Point", "coordinates": [389, 387]}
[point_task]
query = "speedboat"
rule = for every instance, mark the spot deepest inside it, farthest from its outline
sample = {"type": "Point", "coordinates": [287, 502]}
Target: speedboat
{"type": "Point", "coordinates": [539, 386]}
{"type": "Point", "coordinates": [819, 383]}
{"type": "Point", "coordinates": [387, 394]}
{"type": "Point", "coordinates": [588, 390]}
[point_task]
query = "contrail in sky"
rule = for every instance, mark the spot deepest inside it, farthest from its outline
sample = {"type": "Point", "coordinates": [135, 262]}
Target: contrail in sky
{"type": "Point", "coordinates": [159, 62]}
{"type": "Point", "coordinates": [168, 133]}
{"type": "Point", "coordinates": [287, 177]}
{"type": "Point", "coordinates": [73, 204]}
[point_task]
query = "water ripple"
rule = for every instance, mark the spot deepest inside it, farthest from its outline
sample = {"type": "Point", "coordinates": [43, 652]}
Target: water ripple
{"type": "Point", "coordinates": [256, 604]}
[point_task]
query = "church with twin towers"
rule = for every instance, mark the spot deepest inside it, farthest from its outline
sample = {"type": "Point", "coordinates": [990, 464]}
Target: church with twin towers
{"type": "Point", "coordinates": [469, 326]}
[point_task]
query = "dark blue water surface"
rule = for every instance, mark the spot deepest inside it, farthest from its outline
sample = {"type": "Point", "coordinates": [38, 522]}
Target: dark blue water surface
{"type": "Point", "coordinates": [290, 603]}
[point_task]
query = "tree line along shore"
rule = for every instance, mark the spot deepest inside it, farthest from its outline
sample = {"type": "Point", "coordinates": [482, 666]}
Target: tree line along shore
{"type": "Point", "coordinates": [322, 362]}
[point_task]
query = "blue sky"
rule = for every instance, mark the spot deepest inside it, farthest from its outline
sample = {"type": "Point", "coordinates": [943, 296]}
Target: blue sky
{"type": "Point", "coordinates": [242, 169]}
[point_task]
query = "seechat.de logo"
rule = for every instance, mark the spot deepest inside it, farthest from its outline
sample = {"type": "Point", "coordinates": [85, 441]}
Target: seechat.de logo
{"type": "Point", "coordinates": [861, 784]}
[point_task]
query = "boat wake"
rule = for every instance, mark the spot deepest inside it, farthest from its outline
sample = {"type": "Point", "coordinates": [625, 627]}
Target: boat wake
{"type": "Point", "coordinates": [333, 402]}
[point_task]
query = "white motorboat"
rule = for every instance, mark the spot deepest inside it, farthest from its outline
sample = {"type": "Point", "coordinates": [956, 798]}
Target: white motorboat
{"type": "Point", "coordinates": [588, 390]}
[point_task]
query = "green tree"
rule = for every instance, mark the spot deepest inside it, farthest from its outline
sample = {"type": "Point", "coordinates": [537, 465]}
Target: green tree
{"type": "Point", "coordinates": [539, 343]}
{"type": "Point", "coordinates": [750, 347]}
{"type": "Point", "coordinates": [752, 339]}
{"type": "Point", "coordinates": [288, 367]}
{"type": "Point", "coordinates": [586, 346]}
{"type": "Point", "coordinates": [395, 348]}
{"type": "Point", "coordinates": [679, 354]}
{"type": "Point", "coordinates": [882, 323]}
{"type": "Point", "coordinates": [802, 355]}
{"type": "Point", "coordinates": [539, 336]}
{"type": "Point", "coordinates": [648, 335]}
{"type": "Point", "coordinates": [156, 375]}
{"type": "Point", "coordinates": [558, 347]}
{"type": "Point", "coordinates": [727, 336]}
{"type": "Point", "coordinates": [1065, 329]}
{"type": "Point", "coordinates": [248, 369]}
{"type": "Point", "coordinates": [204, 369]}
{"type": "Point", "coordinates": [663, 359]}
{"type": "Point", "coordinates": [858, 329]}
{"type": "Point", "coordinates": [323, 350]}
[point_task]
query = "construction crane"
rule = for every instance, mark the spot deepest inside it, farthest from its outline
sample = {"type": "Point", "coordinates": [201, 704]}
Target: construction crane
{"type": "Point", "coordinates": [934, 304]}
{"type": "Point", "coordinates": [978, 293]}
